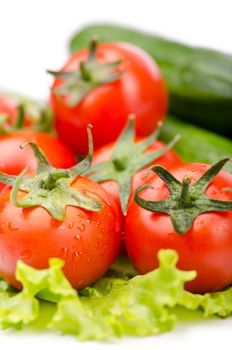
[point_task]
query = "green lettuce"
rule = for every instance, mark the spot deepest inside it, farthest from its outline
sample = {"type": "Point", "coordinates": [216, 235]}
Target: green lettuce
{"type": "Point", "coordinates": [119, 304]}
{"type": "Point", "coordinates": [18, 309]}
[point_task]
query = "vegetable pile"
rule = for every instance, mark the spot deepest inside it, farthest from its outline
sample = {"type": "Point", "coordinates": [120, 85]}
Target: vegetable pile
{"type": "Point", "coordinates": [113, 215]}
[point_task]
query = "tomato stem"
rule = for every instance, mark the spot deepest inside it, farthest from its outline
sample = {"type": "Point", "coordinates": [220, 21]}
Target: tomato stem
{"type": "Point", "coordinates": [85, 73]}
{"type": "Point", "coordinates": [92, 48]}
{"type": "Point", "coordinates": [185, 200]}
{"type": "Point", "coordinates": [128, 157]}
{"type": "Point", "coordinates": [120, 164]}
{"type": "Point", "coordinates": [51, 188]}
{"type": "Point", "coordinates": [20, 117]}
{"type": "Point", "coordinates": [51, 181]}
{"type": "Point", "coordinates": [90, 73]}
{"type": "Point", "coordinates": [42, 119]}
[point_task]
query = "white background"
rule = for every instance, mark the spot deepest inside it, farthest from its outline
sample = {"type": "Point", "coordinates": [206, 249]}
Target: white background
{"type": "Point", "coordinates": [33, 38]}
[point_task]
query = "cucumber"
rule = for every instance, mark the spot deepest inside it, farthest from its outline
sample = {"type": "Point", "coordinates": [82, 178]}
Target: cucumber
{"type": "Point", "coordinates": [196, 144]}
{"type": "Point", "coordinates": [199, 80]}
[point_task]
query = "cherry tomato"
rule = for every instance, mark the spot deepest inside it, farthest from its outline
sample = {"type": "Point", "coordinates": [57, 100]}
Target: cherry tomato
{"type": "Point", "coordinates": [9, 108]}
{"type": "Point", "coordinates": [139, 90]}
{"type": "Point", "coordinates": [87, 241]}
{"type": "Point", "coordinates": [13, 159]}
{"type": "Point", "coordinates": [168, 159]}
{"type": "Point", "coordinates": [206, 247]}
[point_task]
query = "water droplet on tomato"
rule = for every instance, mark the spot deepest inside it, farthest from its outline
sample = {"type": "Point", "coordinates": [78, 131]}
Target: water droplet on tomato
{"type": "Point", "coordinates": [81, 227]}
{"type": "Point", "coordinates": [70, 225]}
{"type": "Point", "coordinates": [78, 237]}
{"type": "Point", "coordinates": [76, 254]}
{"type": "Point", "coordinates": [26, 254]}
{"type": "Point", "coordinates": [64, 252]}
{"type": "Point", "coordinates": [12, 227]}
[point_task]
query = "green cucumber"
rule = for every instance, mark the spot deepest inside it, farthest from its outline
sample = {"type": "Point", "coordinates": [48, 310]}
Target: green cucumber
{"type": "Point", "coordinates": [196, 144]}
{"type": "Point", "coordinates": [199, 80]}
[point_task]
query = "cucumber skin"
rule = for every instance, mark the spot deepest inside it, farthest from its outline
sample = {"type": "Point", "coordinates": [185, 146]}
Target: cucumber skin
{"type": "Point", "coordinates": [199, 80]}
{"type": "Point", "coordinates": [196, 144]}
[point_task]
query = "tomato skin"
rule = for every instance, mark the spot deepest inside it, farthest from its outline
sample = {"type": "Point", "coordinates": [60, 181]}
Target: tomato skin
{"type": "Point", "coordinates": [88, 242]}
{"type": "Point", "coordinates": [140, 90]}
{"type": "Point", "coordinates": [168, 159]}
{"type": "Point", "coordinates": [8, 107]}
{"type": "Point", "coordinates": [206, 247]}
{"type": "Point", "coordinates": [13, 159]}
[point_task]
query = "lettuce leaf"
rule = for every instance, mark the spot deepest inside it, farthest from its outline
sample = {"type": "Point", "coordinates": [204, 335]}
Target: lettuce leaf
{"type": "Point", "coordinates": [118, 304]}
{"type": "Point", "coordinates": [139, 306]}
{"type": "Point", "coordinates": [18, 309]}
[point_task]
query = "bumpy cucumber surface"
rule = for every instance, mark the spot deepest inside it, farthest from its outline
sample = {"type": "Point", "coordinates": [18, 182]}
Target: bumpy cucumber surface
{"type": "Point", "coordinates": [199, 80]}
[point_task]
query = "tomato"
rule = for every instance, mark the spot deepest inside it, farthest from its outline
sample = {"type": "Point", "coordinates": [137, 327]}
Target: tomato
{"type": "Point", "coordinates": [13, 159]}
{"type": "Point", "coordinates": [168, 159]}
{"type": "Point", "coordinates": [207, 245]}
{"type": "Point", "coordinates": [87, 241]}
{"type": "Point", "coordinates": [139, 90]}
{"type": "Point", "coordinates": [9, 108]}
{"type": "Point", "coordinates": [104, 153]}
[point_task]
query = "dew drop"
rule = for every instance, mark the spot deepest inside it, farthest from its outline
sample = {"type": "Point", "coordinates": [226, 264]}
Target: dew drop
{"type": "Point", "coordinates": [12, 227]}
{"type": "Point", "coordinates": [70, 225]}
{"type": "Point", "coordinates": [64, 252]}
{"type": "Point", "coordinates": [78, 237]}
{"type": "Point", "coordinates": [76, 254]}
{"type": "Point", "coordinates": [26, 254]}
{"type": "Point", "coordinates": [81, 227]}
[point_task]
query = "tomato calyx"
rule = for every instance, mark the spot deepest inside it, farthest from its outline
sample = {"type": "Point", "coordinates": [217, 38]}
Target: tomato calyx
{"type": "Point", "coordinates": [50, 187]}
{"type": "Point", "coordinates": [186, 201]}
{"type": "Point", "coordinates": [42, 119]}
{"type": "Point", "coordinates": [7, 127]}
{"type": "Point", "coordinates": [128, 157]}
{"type": "Point", "coordinates": [90, 74]}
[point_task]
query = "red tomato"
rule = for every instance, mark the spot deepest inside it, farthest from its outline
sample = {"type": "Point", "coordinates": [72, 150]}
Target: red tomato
{"type": "Point", "coordinates": [13, 159]}
{"type": "Point", "coordinates": [168, 159]}
{"type": "Point", "coordinates": [206, 247]}
{"type": "Point", "coordinates": [88, 242]}
{"type": "Point", "coordinates": [139, 90]}
{"type": "Point", "coordinates": [9, 108]}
